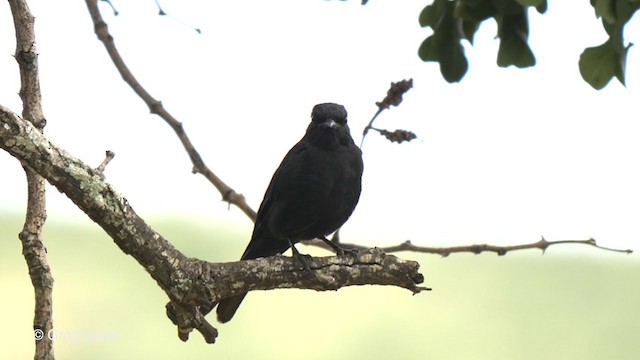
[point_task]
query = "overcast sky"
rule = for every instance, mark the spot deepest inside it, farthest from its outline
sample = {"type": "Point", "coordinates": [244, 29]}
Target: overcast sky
{"type": "Point", "coordinates": [505, 156]}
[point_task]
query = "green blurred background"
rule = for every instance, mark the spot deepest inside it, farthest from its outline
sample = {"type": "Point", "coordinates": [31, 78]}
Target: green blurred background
{"type": "Point", "coordinates": [574, 302]}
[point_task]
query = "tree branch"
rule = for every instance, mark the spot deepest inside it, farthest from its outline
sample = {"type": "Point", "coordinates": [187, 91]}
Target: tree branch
{"type": "Point", "coordinates": [192, 285]}
{"type": "Point", "coordinates": [541, 244]}
{"type": "Point", "coordinates": [155, 106]}
{"type": "Point", "coordinates": [33, 248]}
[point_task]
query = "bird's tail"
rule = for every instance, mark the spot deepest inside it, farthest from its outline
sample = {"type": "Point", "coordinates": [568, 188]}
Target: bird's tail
{"type": "Point", "coordinates": [227, 307]}
{"type": "Point", "coordinates": [262, 246]}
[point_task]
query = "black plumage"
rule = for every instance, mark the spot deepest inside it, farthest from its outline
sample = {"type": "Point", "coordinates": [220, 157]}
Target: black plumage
{"type": "Point", "coordinates": [312, 193]}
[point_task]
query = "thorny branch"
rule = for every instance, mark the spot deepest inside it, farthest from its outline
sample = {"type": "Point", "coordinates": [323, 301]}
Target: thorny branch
{"type": "Point", "coordinates": [33, 248]}
{"type": "Point", "coordinates": [155, 106]}
{"type": "Point", "coordinates": [541, 244]}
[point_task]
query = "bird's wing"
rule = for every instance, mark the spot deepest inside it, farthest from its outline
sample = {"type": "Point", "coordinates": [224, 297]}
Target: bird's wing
{"type": "Point", "coordinates": [289, 201]}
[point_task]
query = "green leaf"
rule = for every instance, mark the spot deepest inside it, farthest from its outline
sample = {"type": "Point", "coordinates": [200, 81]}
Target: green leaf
{"type": "Point", "coordinates": [476, 10]}
{"type": "Point", "coordinates": [515, 52]}
{"type": "Point", "coordinates": [605, 9]}
{"type": "Point", "coordinates": [449, 54]}
{"type": "Point", "coordinates": [514, 49]}
{"type": "Point", "coordinates": [622, 64]}
{"type": "Point", "coordinates": [540, 5]}
{"type": "Point", "coordinates": [624, 11]}
{"type": "Point", "coordinates": [432, 14]}
{"type": "Point", "coordinates": [534, 3]}
{"type": "Point", "coordinates": [507, 7]}
{"type": "Point", "coordinates": [454, 70]}
{"type": "Point", "coordinates": [444, 46]}
{"type": "Point", "coordinates": [615, 17]}
{"type": "Point", "coordinates": [599, 64]}
{"type": "Point", "coordinates": [469, 28]}
{"type": "Point", "coordinates": [542, 8]}
{"type": "Point", "coordinates": [427, 50]}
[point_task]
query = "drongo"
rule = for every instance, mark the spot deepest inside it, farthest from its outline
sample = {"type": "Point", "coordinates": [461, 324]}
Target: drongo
{"type": "Point", "coordinates": [312, 193]}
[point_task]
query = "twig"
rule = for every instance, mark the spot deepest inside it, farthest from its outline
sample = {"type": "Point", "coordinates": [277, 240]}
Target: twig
{"type": "Point", "coordinates": [394, 97]}
{"type": "Point", "coordinates": [161, 12]}
{"type": "Point", "coordinates": [113, 8]}
{"type": "Point", "coordinates": [33, 248]}
{"type": "Point", "coordinates": [228, 194]}
{"type": "Point", "coordinates": [370, 125]}
{"type": "Point", "coordinates": [541, 244]}
{"type": "Point", "coordinates": [109, 155]}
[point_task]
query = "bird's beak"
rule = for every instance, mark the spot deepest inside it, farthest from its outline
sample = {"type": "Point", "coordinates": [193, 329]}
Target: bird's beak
{"type": "Point", "coordinates": [330, 123]}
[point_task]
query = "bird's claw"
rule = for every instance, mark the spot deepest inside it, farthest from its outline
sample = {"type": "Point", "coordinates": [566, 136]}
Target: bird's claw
{"type": "Point", "coordinates": [304, 260]}
{"type": "Point", "coordinates": [340, 251]}
{"type": "Point", "coordinates": [351, 252]}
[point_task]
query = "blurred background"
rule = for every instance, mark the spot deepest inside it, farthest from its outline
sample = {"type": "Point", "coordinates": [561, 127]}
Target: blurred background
{"type": "Point", "coordinates": [503, 157]}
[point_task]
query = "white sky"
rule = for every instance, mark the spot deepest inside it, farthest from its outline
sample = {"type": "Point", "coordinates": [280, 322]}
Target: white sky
{"type": "Point", "coordinates": [505, 156]}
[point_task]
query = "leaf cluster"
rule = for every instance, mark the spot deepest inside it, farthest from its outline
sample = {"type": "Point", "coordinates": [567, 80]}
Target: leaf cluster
{"type": "Point", "coordinates": [453, 21]}
{"type": "Point", "coordinates": [457, 20]}
{"type": "Point", "coordinates": [599, 64]}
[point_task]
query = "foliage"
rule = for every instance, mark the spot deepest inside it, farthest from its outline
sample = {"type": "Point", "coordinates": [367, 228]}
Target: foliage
{"type": "Point", "coordinates": [599, 64]}
{"type": "Point", "coordinates": [455, 20]}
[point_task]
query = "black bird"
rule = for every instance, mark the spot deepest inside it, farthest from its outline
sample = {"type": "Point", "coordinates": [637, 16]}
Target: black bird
{"type": "Point", "coordinates": [312, 193]}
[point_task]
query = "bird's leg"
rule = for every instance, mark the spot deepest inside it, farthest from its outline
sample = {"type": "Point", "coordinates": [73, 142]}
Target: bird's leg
{"type": "Point", "coordinates": [305, 260]}
{"type": "Point", "coordinates": [339, 249]}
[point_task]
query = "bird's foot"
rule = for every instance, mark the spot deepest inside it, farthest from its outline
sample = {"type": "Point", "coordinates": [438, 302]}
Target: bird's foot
{"type": "Point", "coordinates": [340, 251]}
{"type": "Point", "coordinates": [351, 252]}
{"type": "Point", "coordinates": [304, 260]}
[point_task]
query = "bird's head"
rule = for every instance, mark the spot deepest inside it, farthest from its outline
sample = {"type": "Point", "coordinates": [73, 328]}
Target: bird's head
{"type": "Point", "coordinates": [329, 116]}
